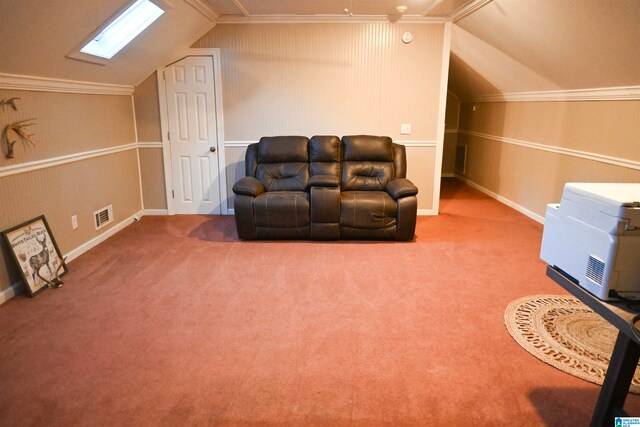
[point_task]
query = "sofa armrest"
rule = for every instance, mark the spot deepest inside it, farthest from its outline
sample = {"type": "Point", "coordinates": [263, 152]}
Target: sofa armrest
{"type": "Point", "coordinates": [324, 181]}
{"type": "Point", "coordinates": [402, 187]}
{"type": "Point", "coordinates": [248, 186]}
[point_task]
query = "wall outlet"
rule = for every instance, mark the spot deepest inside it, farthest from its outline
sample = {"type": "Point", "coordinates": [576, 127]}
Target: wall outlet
{"type": "Point", "coordinates": [74, 221]}
{"type": "Point", "coordinates": [473, 108]}
{"type": "Point", "coordinates": [405, 129]}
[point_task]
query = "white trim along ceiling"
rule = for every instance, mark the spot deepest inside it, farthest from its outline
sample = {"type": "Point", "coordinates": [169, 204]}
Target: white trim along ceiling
{"type": "Point", "coordinates": [296, 11]}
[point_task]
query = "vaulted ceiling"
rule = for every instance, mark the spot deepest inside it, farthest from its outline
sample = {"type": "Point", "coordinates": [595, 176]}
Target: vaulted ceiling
{"type": "Point", "coordinates": [329, 8]}
{"type": "Point", "coordinates": [511, 46]}
{"type": "Point", "coordinates": [498, 46]}
{"type": "Point", "coordinates": [36, 36]}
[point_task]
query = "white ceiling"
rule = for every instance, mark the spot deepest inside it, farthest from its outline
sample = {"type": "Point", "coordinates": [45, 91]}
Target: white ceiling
{"type": "Point", "coordinates": [503, 46]}
{"type": "Point", "coordinates": [512, 46]}
{"type": "Point", "coordinates": [36, 36]}
{"type": "Point", "coordinates": [262, 8]}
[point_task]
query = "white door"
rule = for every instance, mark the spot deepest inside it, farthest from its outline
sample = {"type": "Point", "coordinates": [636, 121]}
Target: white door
{"type": "Point", "coordinates": [192, 135]}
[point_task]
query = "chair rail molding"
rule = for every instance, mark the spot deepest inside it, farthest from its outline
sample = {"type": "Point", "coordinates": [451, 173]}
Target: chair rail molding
{"type": "Point", "coordinates": [149, 144]}
{"type": "Point", "coordinates": [61, 160]}
{"type": "Point", "coordinates": [617, 161]}
{"type": "Point", "coordinates": [425, 143]}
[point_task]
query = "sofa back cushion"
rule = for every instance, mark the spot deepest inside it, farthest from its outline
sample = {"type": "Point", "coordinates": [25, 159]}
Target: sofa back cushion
{"type": "Point", "coordinates": [325, 153]}
{"type": "Point", "coordinates": [367, 163]}
{"type": "Point", "coordinates": [283, 149]}
{"type": "Point", "coordinates": [282, 163]}
{"type": "Point", "coordinates": [283, 176]}
{"type": "Point", "coordinates": [399, 161]}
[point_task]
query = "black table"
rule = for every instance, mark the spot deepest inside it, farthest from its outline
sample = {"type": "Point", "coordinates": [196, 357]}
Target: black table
{"type": "Point", "coordinates": [625, 353]}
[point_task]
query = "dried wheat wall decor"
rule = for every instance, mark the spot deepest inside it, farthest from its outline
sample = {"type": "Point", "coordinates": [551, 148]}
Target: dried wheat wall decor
{"type": "Point", "coordinates": [10, 101]}
{"type": "Point", "coordinates": [17, 127]}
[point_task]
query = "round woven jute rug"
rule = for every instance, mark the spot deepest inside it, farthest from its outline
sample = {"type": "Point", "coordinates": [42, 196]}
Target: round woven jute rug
{"type": "Point", "coordinates": [563, 332]}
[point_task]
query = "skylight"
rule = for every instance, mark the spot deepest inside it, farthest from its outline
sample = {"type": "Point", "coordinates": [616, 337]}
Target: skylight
{"type": "Point", "coordinates": [124, 28]}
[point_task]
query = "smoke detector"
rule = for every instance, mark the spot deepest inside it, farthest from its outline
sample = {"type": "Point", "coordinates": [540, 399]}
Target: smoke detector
{"type": "Point", "coordinates": [401, 9]}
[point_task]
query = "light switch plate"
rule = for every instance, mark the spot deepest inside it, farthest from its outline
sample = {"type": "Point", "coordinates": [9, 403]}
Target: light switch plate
{"type": "Point", "coordinates": [405, 129]}
{"type": "Point", "coordinates": [74, 222]}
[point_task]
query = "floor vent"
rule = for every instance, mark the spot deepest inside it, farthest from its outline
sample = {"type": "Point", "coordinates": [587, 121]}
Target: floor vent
{"type": "Point", "coordinates": [461, 159]}
{"type": "Point", "coordinates": [103, 216]}
{"type": "Point", "coordinates": [595, 270]}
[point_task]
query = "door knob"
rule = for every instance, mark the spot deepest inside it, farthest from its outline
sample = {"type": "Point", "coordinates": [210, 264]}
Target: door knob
{"type": "Point", "coordinates": [212, 149]}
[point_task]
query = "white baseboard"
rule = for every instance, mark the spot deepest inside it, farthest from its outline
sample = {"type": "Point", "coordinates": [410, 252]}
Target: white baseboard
{"type": "Point", "coordinates": [75, 253]}
{"type": "Point", "coordinates": [11, 292]}
{"type": "Point", "coordinates": [534, 216]}
{"type": "Point", "coordinates": [231, 211]}
{"type": "Point", "coordinates": [155, 212]}
{"type": "Point", "coordinates": [18, 288]}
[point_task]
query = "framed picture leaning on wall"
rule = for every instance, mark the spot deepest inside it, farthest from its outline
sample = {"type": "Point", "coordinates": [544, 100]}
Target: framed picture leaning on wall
{"type": "Point", "coordinates": [36, 254]}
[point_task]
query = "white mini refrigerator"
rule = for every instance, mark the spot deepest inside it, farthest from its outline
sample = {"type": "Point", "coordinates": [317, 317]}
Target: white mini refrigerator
{"type": "Point", "coordinates": [593, 235]}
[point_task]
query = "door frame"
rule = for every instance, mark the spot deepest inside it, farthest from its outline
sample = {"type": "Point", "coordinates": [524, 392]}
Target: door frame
{"type": "Point", "coordinates": [164, 127]}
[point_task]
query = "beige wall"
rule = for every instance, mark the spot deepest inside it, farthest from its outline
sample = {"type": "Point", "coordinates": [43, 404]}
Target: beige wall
{"type": "Point", "coordinates": [145, 97]}
{"type": "Point", "coordinates": [336, 79]}
{"type": "Point", "coordinates": [451, 137]}
{"type": "Point", "coordinates": [532, 177]}
{"type": "Point", "coordinates": [152, 175]}
{"type": "Point", "coordinates": [449, 154]}
{"type": "Point", "coordinates": [68, 124]}
{"type": "Point", "coordinates": [147, 108]}
{"type": "Point", "coordinates": [318, 79]}
{"type": "Point", "coordinates": [310, 79]}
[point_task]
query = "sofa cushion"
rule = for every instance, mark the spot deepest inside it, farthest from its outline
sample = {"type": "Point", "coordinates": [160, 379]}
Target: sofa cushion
{"type": "Point", "coordinates": [248, 186]}
{"type": "Point", "coordinates": [366, 176]}
{"type": "Point", "coordinates": [325, 153]}
{"type": "Point", "coordinates": [401, 188]}
{"type": "Point", "coordinates": [367, 148]}
{"type": "Point", "coordinates": [283, 149]}
{"type": "Point", "coordinates": [324, 149]}
{"type": "Point", "coordinates": [281, 209]}
{"type": "Point", "coordinates": [283, 176]}
{"type": "Point", "coordinates": [399, 161]}
{"type": "Point", "coordinates": [324, 181]}
{"type": "Point", "coordinates": [367, 209]}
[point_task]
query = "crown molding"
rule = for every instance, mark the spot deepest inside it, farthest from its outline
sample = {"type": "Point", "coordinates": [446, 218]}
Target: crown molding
{"type": "Point", "coordinates": [241, 7]}
{"type": "Point", "coordinates": [205, 9]}
{"type": "Point", "coordinates": [45, 84]}
{"type": "Point", "coordinates": [623, 93]}
{"type": "Point", "coordinates": [433, 5]}
{"type": "Point", "coordinates": [326, 19]}
{"type": "Point", "coordinates": [468, 9]}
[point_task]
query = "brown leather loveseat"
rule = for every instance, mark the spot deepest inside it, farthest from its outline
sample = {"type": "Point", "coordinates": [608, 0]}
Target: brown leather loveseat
{"type": "Point", "coordinates": [325, 188]}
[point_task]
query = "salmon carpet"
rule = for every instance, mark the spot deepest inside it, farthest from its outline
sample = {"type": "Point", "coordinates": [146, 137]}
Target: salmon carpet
{"type": "Point", "coordinates": [173, 321]}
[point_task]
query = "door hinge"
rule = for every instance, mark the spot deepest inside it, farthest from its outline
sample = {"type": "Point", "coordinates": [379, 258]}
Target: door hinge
{"type": "Point", "coordinates": [168, 135]}
{"type": "Point", "coordinates": [164, 74]}
{"type": "Point", "coordinates": [173, 195]}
